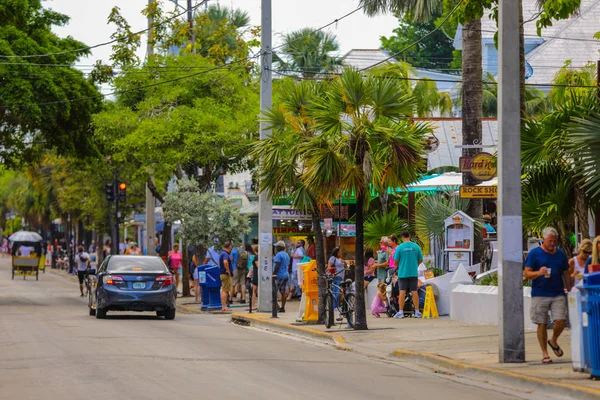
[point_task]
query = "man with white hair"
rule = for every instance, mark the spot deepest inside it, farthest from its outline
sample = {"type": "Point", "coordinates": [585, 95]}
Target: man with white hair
{"type": "Point", "coordinates": [545, 267]}
{"type": "Point", "coordinates": [383, 259]}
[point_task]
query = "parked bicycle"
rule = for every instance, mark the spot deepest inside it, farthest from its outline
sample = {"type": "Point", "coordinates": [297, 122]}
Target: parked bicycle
{"type": "Point", "coordinates": [346, 303]}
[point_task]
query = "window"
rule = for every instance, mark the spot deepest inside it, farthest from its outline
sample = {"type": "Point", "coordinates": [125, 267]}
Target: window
{"type": "Point", "coordinates": [136, 264]}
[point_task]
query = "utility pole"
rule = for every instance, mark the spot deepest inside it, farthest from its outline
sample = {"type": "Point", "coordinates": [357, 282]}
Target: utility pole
{"type": "Point", "coordinates": [191, 34]}
{"type": "Point", "coordinates": [510, 224]}
{"type": "Point", "coordinates": [115, 246]}
{"type": "Point", "coordinates": [265, 221]}
{"type": "Point", "coordinates": [150, 201]}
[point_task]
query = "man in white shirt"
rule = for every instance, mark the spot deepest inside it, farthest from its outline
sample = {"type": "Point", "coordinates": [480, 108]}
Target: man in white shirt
{"type": "Point", "coordinates": [299, 253]}
{"type": "Point", "coordinates": [83, 264]}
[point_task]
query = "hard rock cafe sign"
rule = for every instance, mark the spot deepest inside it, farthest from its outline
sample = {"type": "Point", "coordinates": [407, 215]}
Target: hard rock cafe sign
{"type": "Point", "coordinates": [481, 166]}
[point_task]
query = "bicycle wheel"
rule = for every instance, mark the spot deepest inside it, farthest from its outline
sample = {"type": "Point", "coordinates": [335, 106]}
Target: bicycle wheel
{"type": "Point", "coordinates": [329, 317]}
{"type": "Point", "coordinates": [350, 306]}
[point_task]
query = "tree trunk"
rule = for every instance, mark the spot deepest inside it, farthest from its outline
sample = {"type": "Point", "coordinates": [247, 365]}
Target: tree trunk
{"type": "Point", "coordinates": [185, 271]}
{"type": "Point", "coordinates": [166, 241]}
{"type": "Point", "coordinates": [581, 212]}
{"type": "Point", "coordinates": [383, 199]}
{"type": "Point", "coordinates": [361, 311]}
{"type": "Point", "coordinates": [320, 252]}
{"type": "Point", "coordinates": [472, 112]}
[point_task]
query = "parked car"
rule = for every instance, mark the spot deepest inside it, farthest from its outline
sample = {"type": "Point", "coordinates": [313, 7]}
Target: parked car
{"type": "Point", "coordinates": [133, 283]}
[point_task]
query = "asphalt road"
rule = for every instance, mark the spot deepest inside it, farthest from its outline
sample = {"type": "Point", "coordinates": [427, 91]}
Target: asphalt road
{"type": "Point", "coordinates": [51, 349]}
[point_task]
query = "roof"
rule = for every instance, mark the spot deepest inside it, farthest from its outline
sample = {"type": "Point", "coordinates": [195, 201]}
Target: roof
{"type": "Point", "coordinates": [449, 133]}
{"type": "Point", "coordinates": [364, 58]}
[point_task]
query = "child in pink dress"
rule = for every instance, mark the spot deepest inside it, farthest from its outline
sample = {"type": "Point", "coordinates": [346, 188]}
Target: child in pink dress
{"type": "Point", "coordinates": [380, 301]}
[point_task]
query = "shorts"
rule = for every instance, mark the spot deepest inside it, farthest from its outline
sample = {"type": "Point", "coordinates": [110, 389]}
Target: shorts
{"type": "Point", "coordinates": [226, 282]}
{"type": "Point", "coordinates": [369, 278]}
{"type": "Point", "coordinates": [81, 276]}
{"type": "Point", "coordinates": [239, 276]}
{"type": "Point", "coordinates": [411, 283]}
{"type": "Point", "coordinates": [281, 285]}
{"type": "Point", "coordinates": [541, 305]}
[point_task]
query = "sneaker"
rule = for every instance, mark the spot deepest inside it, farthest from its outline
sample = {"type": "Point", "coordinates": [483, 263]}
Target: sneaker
{"type": "Point", "coordinates": [376, 315]}
{"type": "Point", "coordinates": [243, 302]}
{"type": "Point", "coordinates": [399, 315]}
{"type": "Point", "coordinates": [418, 314]}
{"type": "Point", "coordinates": [281, 310]}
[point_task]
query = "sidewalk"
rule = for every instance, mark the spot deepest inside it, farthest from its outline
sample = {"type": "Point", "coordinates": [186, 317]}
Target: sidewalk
{"type": "Point", "coordinates": [451, 346]}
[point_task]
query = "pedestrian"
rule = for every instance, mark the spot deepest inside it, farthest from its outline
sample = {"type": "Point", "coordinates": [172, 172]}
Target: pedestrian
{"type": "Point", "coordinates": [281, 262]}
{"type": "Point", "coordinates": [408, 256]}
{"type": "Point", "coordinates": [595, 257]}
{"type": "Point", "coordinates": [226, 273]}
{"type": "Point", "coordinates": [122, 247]}
{"type": "Point", "coordinates": [546, 266]}
{"type": "Point", "coordinates": [336, 265]}
{"type": "Point", "coordinates": [311, 251]}
{"type": "Point", "coordinates": [239, 275]}
{"type": "Point", "coordinates": [253, 274]}
{"type": "Point", "coordinates": [393, 243]}
{"type": "Point", "coordinates": [106, 249]}
{"type": "Point", "coordinates": [134, 250]}
{"type": "Point", "coordinates": [380, 301]}
{"type": "Point", "coordinates": [369, 274]}
{"type": "Point", "coordinates": [299, 254]}
{"type": "Point", "coordinates": [577, 263]}
{"type": "Point", "coordinates": [174, 261]}
{"type": "Point", "coordinates": [212, 256]}
{"type": "Point", "coordinates": [83, 264]}
{"type": "Point", "coordinates": [381, 266]}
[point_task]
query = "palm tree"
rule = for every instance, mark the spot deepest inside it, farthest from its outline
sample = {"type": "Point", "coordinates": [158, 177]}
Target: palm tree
{"type": "Point", "coordinates": [308, 53]}
{"type": "Point", "coordinates": [366, 138]}
{"type": "Point", "coordinates": [282, 156]}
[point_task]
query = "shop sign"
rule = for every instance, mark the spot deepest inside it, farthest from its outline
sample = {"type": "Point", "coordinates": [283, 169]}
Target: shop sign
{"type": "Point", "coordinates": [481, 166]}
{"type": "Point", "coordinates": [328, 224]}
{"type": "Point", "coordinates": [291, 230]}
{"type": "Point", "coordinates": [287, 213]}
{"type": "Point", "coordinates": [478, 192]}
{"type": "Point", "coordinates": [347, 230]}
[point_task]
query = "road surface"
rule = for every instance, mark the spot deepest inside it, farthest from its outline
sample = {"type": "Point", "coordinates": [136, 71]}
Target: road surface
{"type": "Point", "coordinates": [50, 348]}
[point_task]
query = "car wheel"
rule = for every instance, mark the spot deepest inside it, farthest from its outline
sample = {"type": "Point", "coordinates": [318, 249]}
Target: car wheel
{"type": "Point", "coordinates": [169, 313]}
{"type": "Point", "coordinates": [92, 311]}
{"type": "Point", "coordinates": [100, 313]}
{"type": "Point", "coordinates": [160, 313]}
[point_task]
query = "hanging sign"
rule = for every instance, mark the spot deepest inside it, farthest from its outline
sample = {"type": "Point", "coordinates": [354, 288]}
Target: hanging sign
{"type": "Point", "coordinates": [481, 166]}
{"type": "Point", "coordinates": [478, 192]}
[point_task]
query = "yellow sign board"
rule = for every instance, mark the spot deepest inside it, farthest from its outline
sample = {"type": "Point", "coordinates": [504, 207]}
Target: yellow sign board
{"type": "Point", "coordinates": [481, 166]}
{"type": "Point", "coordinates": [478, 192]}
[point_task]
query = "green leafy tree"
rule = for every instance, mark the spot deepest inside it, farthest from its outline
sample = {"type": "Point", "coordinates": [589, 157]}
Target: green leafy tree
{"type": "Point", "coordinates": [308, 52]}
{"type": "Point", "coordinates": [434, 52]}
{"type": "Point", "coordinates": [367, 138]}
{"type": "Point", "coordinates": [206, 218]}
{"type": "Point", "coordinates": [35, 108]}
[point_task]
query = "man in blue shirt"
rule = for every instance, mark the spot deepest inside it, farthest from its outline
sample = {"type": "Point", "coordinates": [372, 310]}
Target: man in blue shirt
{"type": "Point", "coordinates": [281, 262]}
{"type": "Point", "coordinates": [546, 266]}
{"type": "Point", "coordinates": [226, 273]}
{"type": "Point", "coordinates": [408, 256]}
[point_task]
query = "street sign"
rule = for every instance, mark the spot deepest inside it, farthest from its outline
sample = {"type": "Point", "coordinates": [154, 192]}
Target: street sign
{"type": "Point", "coordinates": [478, 192]}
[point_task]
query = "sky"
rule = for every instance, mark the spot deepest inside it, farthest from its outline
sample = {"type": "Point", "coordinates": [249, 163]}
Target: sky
{"type": "Point", "coordinates": [88, 20]}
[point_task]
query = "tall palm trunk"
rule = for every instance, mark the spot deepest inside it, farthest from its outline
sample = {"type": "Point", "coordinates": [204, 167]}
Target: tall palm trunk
{"type": "Point", "coordinates": [581, 211]}
{"type": "Point", "coordinates": [472, 112]}
{"type": "Point", "coordinates": [320, 253]}
{"type": "Point", "coordinates": [361, 312]}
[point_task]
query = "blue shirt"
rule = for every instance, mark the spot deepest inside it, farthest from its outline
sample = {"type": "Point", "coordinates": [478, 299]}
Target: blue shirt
{"type": "Point", "coordinates": [558, 262]}
{"type": "Point", "coordinates": [224, 256]}
{"type": "Point", "coordinates": [234, 256]}
{"type": "Point", "coordinates": [283, 258]}
{"type": "Point", "coordinates": [213, 256]}
{"type": "Point", "coordinates": [407, 256]}
{"type": "Point", "coordinates": [489, 228]}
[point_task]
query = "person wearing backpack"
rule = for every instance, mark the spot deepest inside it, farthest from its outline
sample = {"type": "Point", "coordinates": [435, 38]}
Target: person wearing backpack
{"type": "Point", "coordinates": [83, 264]}
{"type": "Point", "coordinates": [239, 275]}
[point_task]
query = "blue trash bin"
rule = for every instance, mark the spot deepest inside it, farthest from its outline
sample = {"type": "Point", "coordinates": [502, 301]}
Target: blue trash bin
{"type": "Point", "coordinates": [213, 288]}
{"type": "Point", "coordinates": [201, 269]}
{"type": "Point", "coordinates": [590, 322]}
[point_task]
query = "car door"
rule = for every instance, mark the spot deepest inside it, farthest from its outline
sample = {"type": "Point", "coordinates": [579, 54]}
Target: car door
{"type": "Point", "coordinates": [97, 281]}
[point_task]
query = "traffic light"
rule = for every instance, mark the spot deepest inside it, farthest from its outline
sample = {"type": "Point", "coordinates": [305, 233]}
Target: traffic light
{"type": "Point", "coordinates": [122, 192]}
{"type": "Point", "coordinates": [109, 190]}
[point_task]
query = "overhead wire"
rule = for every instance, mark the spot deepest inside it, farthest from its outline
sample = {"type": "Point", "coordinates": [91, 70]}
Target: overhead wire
{"type": "Point", "coordinates": [104, 43]}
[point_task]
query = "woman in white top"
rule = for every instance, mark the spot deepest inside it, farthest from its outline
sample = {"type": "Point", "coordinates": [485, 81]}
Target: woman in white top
{"type": "Point", "coordinates": [577, 263]}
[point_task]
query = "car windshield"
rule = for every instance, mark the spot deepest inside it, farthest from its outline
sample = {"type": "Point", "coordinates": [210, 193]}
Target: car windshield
{"type": "Point", "coordinates": [136, 264]}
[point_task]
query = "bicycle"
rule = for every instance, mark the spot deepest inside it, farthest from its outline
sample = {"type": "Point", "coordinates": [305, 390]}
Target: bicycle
{"type": "Point", "coordinates": [87, 285]}
{"type": "Point", "coordinates": [346, 305]}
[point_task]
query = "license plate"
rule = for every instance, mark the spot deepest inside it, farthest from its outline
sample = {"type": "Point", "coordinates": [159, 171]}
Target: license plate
{"type": "Point", "coordinates": [139, 285]}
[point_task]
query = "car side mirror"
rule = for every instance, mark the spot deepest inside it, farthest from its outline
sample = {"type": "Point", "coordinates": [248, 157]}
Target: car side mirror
{"type": "Point", "coordinates": [91, 272]}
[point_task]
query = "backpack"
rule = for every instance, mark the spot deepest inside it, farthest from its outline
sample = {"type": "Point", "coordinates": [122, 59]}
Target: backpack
{"type": "Point", "coordinates": [83, 258]}
{"type": "Point", "coordinates": [242, 261]}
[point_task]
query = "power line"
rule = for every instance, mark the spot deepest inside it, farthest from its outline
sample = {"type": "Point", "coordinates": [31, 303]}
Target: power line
{"type": "Point", "coordinates": [281, 72]}
{"type": "Point", "coordinates": [105, 43]}
{"type": "Point", "coordinates": [552, 37]}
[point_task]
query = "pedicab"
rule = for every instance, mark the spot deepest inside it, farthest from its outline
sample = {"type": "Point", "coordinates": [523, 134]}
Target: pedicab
{"type": "Point", "coordinates": [26, 254]}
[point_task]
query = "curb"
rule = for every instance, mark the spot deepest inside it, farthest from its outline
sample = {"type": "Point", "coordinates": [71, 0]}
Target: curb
{"type": "Point", "coordinates": [264, 321]}
{"type": "Point", "coordinates": [496, 374]}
